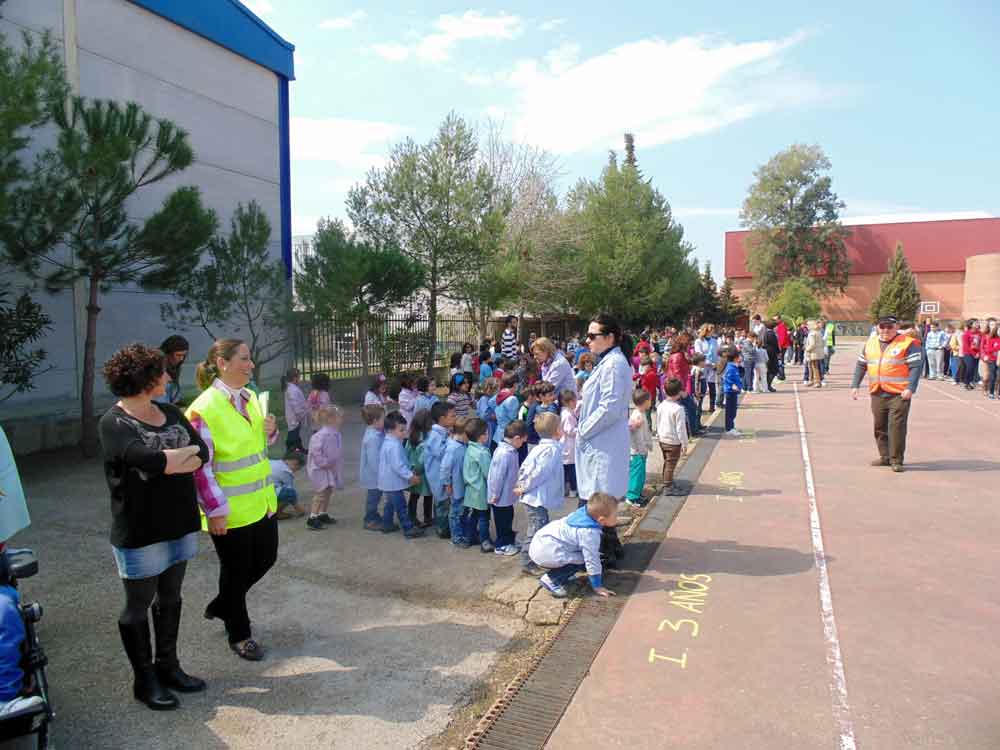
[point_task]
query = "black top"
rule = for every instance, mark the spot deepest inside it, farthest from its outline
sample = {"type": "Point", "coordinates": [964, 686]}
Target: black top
{"type": "Point", "coordinates": [148, 506]}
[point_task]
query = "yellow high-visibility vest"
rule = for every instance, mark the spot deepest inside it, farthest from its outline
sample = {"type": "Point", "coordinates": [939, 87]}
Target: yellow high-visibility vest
{"type": "Point", "coordinates": [887, 368]}
{"type": "Point", "coordinates": [239, 461]}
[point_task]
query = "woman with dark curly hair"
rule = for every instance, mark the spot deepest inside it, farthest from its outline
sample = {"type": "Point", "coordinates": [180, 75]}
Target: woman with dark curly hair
{"type": "Point", "coordinates": [150, 454]}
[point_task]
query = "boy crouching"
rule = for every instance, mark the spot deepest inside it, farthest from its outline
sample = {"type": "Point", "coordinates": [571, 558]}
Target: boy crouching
{"type": "Point", "coordinates": [573, 543]}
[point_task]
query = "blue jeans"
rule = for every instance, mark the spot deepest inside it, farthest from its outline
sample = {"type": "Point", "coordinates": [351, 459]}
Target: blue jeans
{"type": "Point", "coordinates": [456, 520]}
{"type": "Point", "coordinates": [288, 496]}
{"type": "Point", "coordinates": [372, 499]}
{"type": "Point", "coordinates": [748, 377]}
{"type": "Point", "coordinates": [442, 512]}
{"type": "Point", "coordinates": [395, 504]}
{"type": "Point", "coordinates": [477, 526]}
{"type": "Point", "coordinates": [537, 518]}
{"type": "Point", "coordinates": [732, 401]}
{"type": "Point", "coordinates": [561, 576]}
{"type": "Point", "coordinates": [991, 383]}
{"type": "Point", "coordinates": [694, 423]}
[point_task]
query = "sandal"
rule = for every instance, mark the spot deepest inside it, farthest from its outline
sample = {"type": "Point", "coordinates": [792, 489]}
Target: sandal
{"type": "Point", "coordinates": [248, 649]}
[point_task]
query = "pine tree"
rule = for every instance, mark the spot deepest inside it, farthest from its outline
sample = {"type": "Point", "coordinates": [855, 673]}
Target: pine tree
{"type": "Point", "coordinates": [730, 307]}
{"type": "Point", "coordinates": [897, 294]}
{"type": "Point", "coordinates": [706, 308]}
{"type": "Point", "coordinates": [630, 149]}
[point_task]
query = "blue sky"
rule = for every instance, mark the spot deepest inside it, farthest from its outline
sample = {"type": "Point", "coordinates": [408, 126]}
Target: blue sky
{"type": "Point", "coordinates": [903, 101]}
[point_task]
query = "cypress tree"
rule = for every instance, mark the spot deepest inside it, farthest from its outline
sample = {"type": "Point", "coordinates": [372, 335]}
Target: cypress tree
{"type": "Point", "coordinates": [897, 294]}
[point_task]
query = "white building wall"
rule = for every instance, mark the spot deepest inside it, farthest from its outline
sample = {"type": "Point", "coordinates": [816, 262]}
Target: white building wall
{"type": "Point", "coordinates": [229, 107]}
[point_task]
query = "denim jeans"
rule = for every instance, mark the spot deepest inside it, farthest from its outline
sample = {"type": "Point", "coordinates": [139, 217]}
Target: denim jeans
{"type": "Point", "coordinates": [732, 401]}
{"type": "Point", "coordinates": [287, 496]}
{"type": "Point", "coordinates": [562, 576]}
{"type": "Point", "coordinates": [477, 526]}
{"type": "Point", "coordinates": [537, 518]}
{"type": "Point", "coordinates": [503, 521]}
{"type": "Point", "coordinates": [372, 499]}
{"type": "Point", "coordinates": [991, 382]}
{"type": "Point", "coordinates": [395, 504]}
{"type": "Point", "coordinates": [748, 377]}
{"type": "Point", "coordinates": [971, 368]}
{"type": "Point", "coordinates": [442, 513]}
{"type": "Point", "coordinates": [456, 520]}
{"type": "Point", "coordinates": [694, 423]}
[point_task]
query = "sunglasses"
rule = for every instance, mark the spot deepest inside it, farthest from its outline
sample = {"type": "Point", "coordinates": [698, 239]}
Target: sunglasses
{"type": "Point", "coordinates": [591, 336]}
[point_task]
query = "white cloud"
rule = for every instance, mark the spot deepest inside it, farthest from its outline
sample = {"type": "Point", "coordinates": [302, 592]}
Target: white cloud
{"type": "Point", "coordinates": [356, 144]}
{"type": "Point", "coordinates": [391, 51]}
{"type": "Point", "coordinates": [343, 22]}
{"type": "Point", "coordinates": [551, 24]}
{"type": "Point", "coordinates": [660, 91]}
{"type": "Point", "coordinates": [478, 79]}
{"type": "Point", "coordinates": [449, 30]}
{"type": "Point", "coordinates": [260, 8]}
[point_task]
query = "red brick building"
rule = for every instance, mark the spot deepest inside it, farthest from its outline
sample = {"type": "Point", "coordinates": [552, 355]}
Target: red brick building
{"type": "Point", "coordinates": [956, 262]}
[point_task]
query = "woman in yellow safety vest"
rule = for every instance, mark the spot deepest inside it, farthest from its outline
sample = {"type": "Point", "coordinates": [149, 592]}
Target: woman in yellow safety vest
{"type": "Point", "coordinates": [237, 499]}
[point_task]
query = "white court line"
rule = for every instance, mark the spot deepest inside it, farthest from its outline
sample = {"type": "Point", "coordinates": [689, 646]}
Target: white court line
{"type": "Point", "coordinates": [953, 397]}
{"type": "Point", "coordinates": [838, 682]}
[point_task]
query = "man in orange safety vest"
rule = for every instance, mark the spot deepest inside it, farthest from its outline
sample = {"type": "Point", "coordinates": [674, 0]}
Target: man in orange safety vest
{"type": "Point", "coordinates": [893, 362]}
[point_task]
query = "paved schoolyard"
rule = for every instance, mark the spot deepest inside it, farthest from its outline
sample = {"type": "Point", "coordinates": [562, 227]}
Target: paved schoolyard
{"type": "Point", "coordinates": [738, 637]}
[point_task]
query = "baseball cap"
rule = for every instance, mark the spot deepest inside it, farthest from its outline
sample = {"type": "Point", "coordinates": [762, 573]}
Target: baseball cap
{"type": "Point", "coordinates": [889, 319]}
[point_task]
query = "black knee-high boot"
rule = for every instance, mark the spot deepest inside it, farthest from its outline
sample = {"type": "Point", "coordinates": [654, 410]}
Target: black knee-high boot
{"type": "Point", "coordinates": [411, 507]}
{"type": "Point", "coordinates": [147, 687]}
{"type": "Point", "coordinates": [166, 623]}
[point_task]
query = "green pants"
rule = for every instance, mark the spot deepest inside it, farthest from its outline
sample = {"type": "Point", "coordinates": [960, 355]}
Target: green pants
{"type": "Point", "coordinates": [636, 477]}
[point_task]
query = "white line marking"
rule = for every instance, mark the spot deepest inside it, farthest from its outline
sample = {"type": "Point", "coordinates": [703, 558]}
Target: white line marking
{"type": "Point", "coordinates": [838, 682]}
{"type": "Point", "coordinates": [953, 397]}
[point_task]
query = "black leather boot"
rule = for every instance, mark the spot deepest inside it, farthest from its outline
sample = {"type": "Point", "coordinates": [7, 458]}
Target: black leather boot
{"type": "Point", "coordinates": [166, 621]}
{"type": "Point", "coordinates": [147, 687]}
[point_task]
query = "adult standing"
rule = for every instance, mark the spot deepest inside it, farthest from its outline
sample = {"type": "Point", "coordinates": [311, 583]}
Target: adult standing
{"type": "Point", "coordinates": [935, 343]}
{"type": "Point", "coordinates": [815, 351]}
{"type": "Point", "coordinates": [830, 335]}
{"type": "Point", "coordinates": [784, 342]}
{"type": "Point", "coordinates": [989, 346]}
{"type": "Point", "coordinates": [971, 340]}
{"type": "Point", "coordinates": [175, 349]}
{"type": "Point", "coordinates": [708, 345]}
{"type": "Point", "coordinates": [555, 368]}
{"type": "Point", "coordinates": [773, 353]}
{"type": "Point", "coordinates": [893, 363]}
{"type": "Point", "coordinates": [508, 340]}
{"type": "Point", "coordinates": [602, 445]}
{"type": "Point", "coordinates": [234, 485]}
{"type": "Point", "coordinates": [150, 454]}
{"type": "Point", "coordinates": [679, 367]}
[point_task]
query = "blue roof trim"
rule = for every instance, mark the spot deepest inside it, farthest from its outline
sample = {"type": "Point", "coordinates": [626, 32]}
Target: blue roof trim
{"type": "Point", "coordinates": [229, 24]}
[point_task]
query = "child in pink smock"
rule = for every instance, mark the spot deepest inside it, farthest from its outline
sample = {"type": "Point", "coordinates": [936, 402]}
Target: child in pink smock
{"type": "Point", "coordinates": [325, 465]}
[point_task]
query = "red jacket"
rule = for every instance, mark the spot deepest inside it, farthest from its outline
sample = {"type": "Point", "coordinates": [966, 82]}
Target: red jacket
{"type": "Point", "coordinates": [649, 381]}
{"type": "Point", "coordinates": [781, 331]}
{"type": "Point", "coordinates": [970, 342]}
{"type": "Point", "coordinates": [989, 348]}
{"type": "Point", "coordinates": [679, 367]}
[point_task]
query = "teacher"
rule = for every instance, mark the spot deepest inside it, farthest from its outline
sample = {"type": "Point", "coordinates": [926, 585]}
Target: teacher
{"type": "Point", "coordinates": [150, 453]}
{"type": "Point", "coordinates": [602, 446]}
{"type": "Point", "coordinates": [234, 486]}
{"type": "Point", "coordinates": [555, 369]}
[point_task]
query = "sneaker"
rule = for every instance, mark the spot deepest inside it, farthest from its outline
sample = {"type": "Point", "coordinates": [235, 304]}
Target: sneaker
{"type": "Point", "coordinates": [532, 570]}
{"type": "Point", "coordinates": [444, 533]}
{"type": "Point", "coordinates": [459, 542]}
{"type": "Point", "coordinates": [315, 524]}
{"type": "Point", "coordinates": [735, 433]}
{"type": "Point", "coordinates": [572, 493]}
{"type": "Point", "coordinates": [898, 468]}
{"type": "Point", "coordinates": [507, 550]}
{"type": "Point", "coordinates": [632, 503]}
{"type": "Point", "coordinates": [414, 533]}
{"type": "Point", "coordinates": [327, 518]}
{"type": "Point", "coordinates": [373, 526]}
{"type": "Point", "coordinates": [880, 462]}
{"type": "Point", "coordinates": [426, 523]}
{"type": "Point", "coordinates": [390, 529]}
{"type": "Point", "coordinates": [554, 588]}
{"type": "Point", "coordinates": [487, 547]}
{"type": "Point", "coordinates": [20, 704]}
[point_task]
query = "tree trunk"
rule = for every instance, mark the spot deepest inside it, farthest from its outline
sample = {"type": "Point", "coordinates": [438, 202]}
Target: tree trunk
{"type": "Point", "coordinates": [432, 310]}
{"type": "Point", "coordinates": [363, 336]}
{"type": "Point", "coordinates": [88, 424]}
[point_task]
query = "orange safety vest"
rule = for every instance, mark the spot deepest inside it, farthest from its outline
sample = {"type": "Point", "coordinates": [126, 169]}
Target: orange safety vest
{"type": "Point", "coordinates": [887, 368]}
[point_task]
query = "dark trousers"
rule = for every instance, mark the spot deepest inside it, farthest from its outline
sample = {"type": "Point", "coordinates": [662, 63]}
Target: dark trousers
{"type": "Point", "coordinates": [691, 411]}
{"type": "Point", "coordinates": [890, 415]}
{"type": "Point", "coordinates": [711, 397]}
{"type": "Point", "coordinates": [477, 526]}
{"type": "Point", "coordinates": [569, 476]}
{"type": "Point", "coordinates": [946, 365]}
{"type": "Point", "coordinates": [732, 402]}
{"type": "Point", "coordinates": [503, 520]}
{"type": "Point", "coordinates": [971, 368]}
{"type": "Point", "coordinates": [411, 507]}
{"type": "Point", "coordinates": [991, 382]}
{"type": "Point", "coordinates": [245, 555]}
{"type": "Point", "coordinates": [293, 440]}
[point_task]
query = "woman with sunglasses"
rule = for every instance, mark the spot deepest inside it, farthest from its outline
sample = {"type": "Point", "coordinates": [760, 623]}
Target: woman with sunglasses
{"type": "Point", "coordinates": [602, 447]}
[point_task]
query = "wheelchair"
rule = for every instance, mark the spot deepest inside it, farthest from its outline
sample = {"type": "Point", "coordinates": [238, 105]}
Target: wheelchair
{"type": "Point", "coordinates": [37, 713]}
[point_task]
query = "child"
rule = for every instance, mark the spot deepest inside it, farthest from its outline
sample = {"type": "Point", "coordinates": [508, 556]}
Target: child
{"type": "Point", "coordinates": [319, 394]}
{"type": "Point", "coordinates": [443, 419]}
{"type": "Point", "coordinates": [500, 486]}
{"type": "Point", "coordinates": [640, 441]}
{"type": "Point", "coordinates": [454, 485]}
{"type": "Point", "coordinates": [733, 386]}
{"type": "Point", "coordinates": [424, 399]}
{"type": "Point", "coordinates": [296, 410]}
{"type": "Point", "coordinates": [485, 368]}
{"type": "Point", "coordinates": [760, 368]}
{"type": "Point", "coordinates": [539, 483]}
{"type": "Point", "coordinates": [419, 430]}
{"type": "Point", "coordinates": [456, 364]}
{"type": "Point", "coordinates": [506, 405]}
{"type": "Point", "coordinates": [324, 465]}
{"type": "Point", "coordinates": [371, 446]}
{"type": "Point", "coordinates": [407, 397]}
{"type": "Point", "coordinates": [748, 349]}
{"type": "Point", "coordinates": [527, 414]}
{"type": "Point", "coordinates": [546, 394]}
{"type": "Point", "coordinates": [13, 651]}
{"type": "Point", "coordinates": [486, 405]}
{"type": "Point", "coordinates": [567, 424]}
{"type": "Point", "coordinates": [698, 387]}
{"type": "Point", "coordinates": [475, 471]}
{"type": "Point", "coordinates": [571, 544]}
{"type": "Point", "coordinates": [283, 478]}
{"type": "Point", "coordinates": [467, 363]}
{"type": "Point", "coordinates": [458, 396]}
{"type": "Point", "coordinates": [394, 476]}
{"type": "Point", "coordinates": [671, 432]}
{"type": "Point", "coordinates": [648, 379]}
